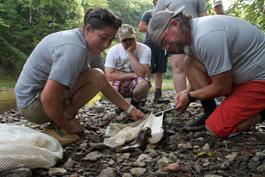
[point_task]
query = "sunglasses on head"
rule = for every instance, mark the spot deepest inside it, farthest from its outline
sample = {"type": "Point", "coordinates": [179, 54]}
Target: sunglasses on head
{"type": "Point", "coordinates": [127, 39]}
{"type": "Point", "coordinates": [105, 16]}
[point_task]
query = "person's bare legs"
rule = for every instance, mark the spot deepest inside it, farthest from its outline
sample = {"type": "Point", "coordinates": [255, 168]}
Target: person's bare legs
{"type": "Point", "coordinates": [198, 79]}
{"type": "Point", "coordinates": [196, 73]}
{"type": "Point", "coordinates": [87, 86]}
{"type": "Point", "coordinates": [141, 90]}
{"type": "Point", "coordinates": [158, 80]}
{"type": "Point", "coordinates": [179, 75]}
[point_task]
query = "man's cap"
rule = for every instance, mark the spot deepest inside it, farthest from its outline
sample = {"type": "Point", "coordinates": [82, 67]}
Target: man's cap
{"type": "Point", "coordinates": [126, 31]}
{"type": "Point", "coordinates": [159, 22]}
{"type": "Point", "coordinates": [217, 3]}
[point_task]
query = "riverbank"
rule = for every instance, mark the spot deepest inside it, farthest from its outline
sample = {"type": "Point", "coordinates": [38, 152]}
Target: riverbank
{"type": "Point", "coordinates": [197, 153]}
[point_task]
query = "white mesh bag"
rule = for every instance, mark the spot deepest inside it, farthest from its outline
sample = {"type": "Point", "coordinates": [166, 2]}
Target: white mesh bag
{"type": "Point", "coordinates": [21, 146]}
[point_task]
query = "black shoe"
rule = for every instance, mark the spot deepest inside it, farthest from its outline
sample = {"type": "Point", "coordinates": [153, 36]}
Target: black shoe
{"type": "Point", "coordinates": [139, 105]}
{"type": "Point", "coordinates": [208, 107]}
{"type": "Point", "coordinates": [199, 124]}
{"type": "Point", "coordinates": [161, 101]}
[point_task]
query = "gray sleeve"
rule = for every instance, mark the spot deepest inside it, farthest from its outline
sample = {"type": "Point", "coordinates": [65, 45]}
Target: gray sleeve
{"type": "Point", "coordinates": [213, 48]}
{"type": "Point", "coordinates": [201, 6]}
{"type": "Point", "coordinates": [160, 5]}
{"type": "Point", "coordinates": [68, 62]}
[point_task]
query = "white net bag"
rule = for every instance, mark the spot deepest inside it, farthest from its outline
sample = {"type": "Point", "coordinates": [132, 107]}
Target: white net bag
{"type": "Point", "coordinates": [21, 146]}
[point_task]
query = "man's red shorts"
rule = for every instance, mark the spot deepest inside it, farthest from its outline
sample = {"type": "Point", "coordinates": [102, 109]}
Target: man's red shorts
{"type": "Point", "coordinates": [245, 101]}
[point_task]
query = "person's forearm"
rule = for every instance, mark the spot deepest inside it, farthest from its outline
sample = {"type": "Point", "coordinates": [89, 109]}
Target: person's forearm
{"type": "Point", "coordinates": [208, 92]}
{"type": "Point", "coordinates": [53, 108]}
{"type": "Point", "coordinates": [120, 76]}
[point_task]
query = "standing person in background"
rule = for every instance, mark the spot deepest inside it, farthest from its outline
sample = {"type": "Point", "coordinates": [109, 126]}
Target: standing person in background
{"type": "Point", "coordinates": [195, 8]}
{"type": "Point", "coordinates": [127, 67]}
{"type": "Point", "coordinates": [61, 75]}
{"type": "Point", "coordinates": [218, 7]}
{"type": "Point", "coordinates": [158, 59]}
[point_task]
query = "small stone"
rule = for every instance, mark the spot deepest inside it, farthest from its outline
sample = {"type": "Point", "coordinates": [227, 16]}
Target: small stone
{"type": "Point", "coordinates": [231, 157]}
{"type": "Point", "coordinates": [92, 156]}
{"type": "Point", "coordinates": [137, 171]}
{"type": "Point", "coordinates": [108, 172]}
{"type": "Point", "coordinates": [69, 163]}
{"type": "Point", "coordinates": [57, 171]}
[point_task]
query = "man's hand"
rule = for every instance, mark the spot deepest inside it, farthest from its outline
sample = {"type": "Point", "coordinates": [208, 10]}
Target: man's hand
{"type": "Point", "coordinates": [137, 114]}
{"type": "Point", "coordinates": [182, 101]}
{"type": "Point", "coordinates": [132, 47]}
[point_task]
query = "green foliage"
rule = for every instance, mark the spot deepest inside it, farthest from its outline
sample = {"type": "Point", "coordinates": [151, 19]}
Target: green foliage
{"type": "Point", "coordinates": [23, 23]}
{"type": "Point", "coordinates": [11, 59]}
{"type": "Point", "coordinates": [250, 11]}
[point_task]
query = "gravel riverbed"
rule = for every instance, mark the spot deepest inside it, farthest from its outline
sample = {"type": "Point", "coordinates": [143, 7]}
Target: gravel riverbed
{"type": "Point", "coordinates": [179, 153]}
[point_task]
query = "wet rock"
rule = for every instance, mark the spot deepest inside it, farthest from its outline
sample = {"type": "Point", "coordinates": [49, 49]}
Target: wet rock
{"type": "Point", "coordinates": [108, 172]}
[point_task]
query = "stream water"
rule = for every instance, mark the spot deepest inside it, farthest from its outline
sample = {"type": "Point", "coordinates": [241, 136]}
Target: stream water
{"type": "Point", "coordinates": [7, 100]}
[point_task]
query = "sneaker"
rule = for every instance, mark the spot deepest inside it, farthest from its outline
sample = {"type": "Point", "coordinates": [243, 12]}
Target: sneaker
{"type": "Point", "coordinates": [198, 125]}
{"type": "Point", "coordinates": [62, 136]}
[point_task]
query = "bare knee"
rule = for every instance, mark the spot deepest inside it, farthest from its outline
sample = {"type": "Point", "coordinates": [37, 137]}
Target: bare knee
{"type": "Point", "coordinates": [145, 84]}
{"type": "Point", "coordinates": [96, 75]}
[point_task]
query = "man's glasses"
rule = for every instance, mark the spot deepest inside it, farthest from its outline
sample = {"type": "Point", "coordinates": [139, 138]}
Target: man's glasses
{"type": "Point", "coordinates": [127, 39]}
{"type": "Point", "coordinates": [105, 16]}
{"type": "Point", "coordinates": [163, 43]}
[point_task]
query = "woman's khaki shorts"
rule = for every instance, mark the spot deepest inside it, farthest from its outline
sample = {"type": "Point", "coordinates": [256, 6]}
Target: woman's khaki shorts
{"type": "Point", "coordinates": [35, 112]}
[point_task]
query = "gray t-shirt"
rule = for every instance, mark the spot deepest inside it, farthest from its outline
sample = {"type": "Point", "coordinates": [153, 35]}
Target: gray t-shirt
{"type": "Point", "coordinates": [224, 43]}
{"type": "Point", "coordinates": [192, 7]}
{"type": "Point", "coordinates": [60, 56]}
{"type": "Point", "coordinates": [146, 18]}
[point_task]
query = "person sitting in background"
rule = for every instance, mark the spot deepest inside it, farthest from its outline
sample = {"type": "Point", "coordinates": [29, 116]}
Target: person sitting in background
{"type": "Point", "coordinates": [127, 66]}
{"type": "Point", "coordinates": [218, 7]}
{"type": "Point", "coordinates": [158, 57]}
{"type": "Point", "coordinates": [62, 73]}
{"type": "Point", "coordinates": [233, 67]}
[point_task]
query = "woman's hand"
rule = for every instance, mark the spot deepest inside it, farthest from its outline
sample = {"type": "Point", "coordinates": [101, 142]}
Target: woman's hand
{"type": "Point", "coordinates": [137, 114]}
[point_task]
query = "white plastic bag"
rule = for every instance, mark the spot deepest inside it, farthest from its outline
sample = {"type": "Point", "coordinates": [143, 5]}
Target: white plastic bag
{"type": "Point", "coordinates": [119, 134]}
{"type": "Point", "coordinates": [21, 146]}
